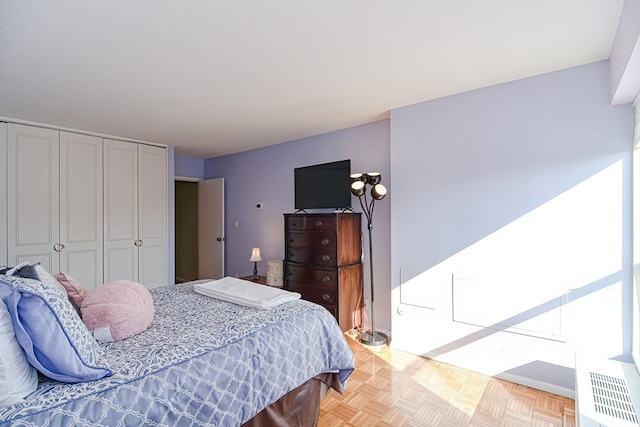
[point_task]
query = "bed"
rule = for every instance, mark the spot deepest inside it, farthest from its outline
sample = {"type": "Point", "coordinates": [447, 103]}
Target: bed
{"type": "Point", "coordinates": [204, 361]}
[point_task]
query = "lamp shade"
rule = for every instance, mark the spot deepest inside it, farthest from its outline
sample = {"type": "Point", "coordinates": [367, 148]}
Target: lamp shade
{"type": "Point", "coordinates": [373, 178]}
{"type": "Point", "coordinates": [357, 177]}
{"type": "Point", "coordinates": [255, 255]}
{"type": "Point", "coordinates": [378, 191]}
{"type": "Point", "coordinates": [357, 188]}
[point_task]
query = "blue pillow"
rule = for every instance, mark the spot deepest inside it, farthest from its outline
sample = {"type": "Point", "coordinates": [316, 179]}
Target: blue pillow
{"type": "Point", "coordinates": [51, 333]}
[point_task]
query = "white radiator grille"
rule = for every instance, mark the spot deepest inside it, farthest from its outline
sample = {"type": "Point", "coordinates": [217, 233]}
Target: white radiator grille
{"type": "Point", "coordinates": [611, 397]}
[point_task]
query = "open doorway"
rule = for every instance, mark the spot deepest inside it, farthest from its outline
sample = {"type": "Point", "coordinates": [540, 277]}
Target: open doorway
{"type": "Point", "coordinates": [186, 231]}
{"type": "Point", "coordinates": [199, 229]}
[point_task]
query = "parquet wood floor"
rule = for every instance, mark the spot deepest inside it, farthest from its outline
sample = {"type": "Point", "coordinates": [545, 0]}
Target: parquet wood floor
{"type": "Point", "coordinates": [390, 388]}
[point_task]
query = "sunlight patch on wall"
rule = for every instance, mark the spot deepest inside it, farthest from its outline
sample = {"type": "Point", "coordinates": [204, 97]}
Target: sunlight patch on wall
{"type": "Point", "coordinates": [423, 296]}
{"type": "Point", "coordinates": [517, 279]}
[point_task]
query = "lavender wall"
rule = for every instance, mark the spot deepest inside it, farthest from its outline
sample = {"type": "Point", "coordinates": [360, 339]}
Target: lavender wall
{"type": "Point", "coordinates": [190, 167]}
{"type": "Point", "coordinates": [511, 224]}
{"type": "Point", "coordinates": [266, 175]}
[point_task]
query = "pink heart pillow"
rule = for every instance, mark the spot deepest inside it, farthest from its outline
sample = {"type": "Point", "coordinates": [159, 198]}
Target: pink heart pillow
{"type": "Point", "coordinates": [117, 310]}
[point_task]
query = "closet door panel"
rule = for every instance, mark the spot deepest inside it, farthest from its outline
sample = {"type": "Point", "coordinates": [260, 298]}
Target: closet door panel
{"type": "Point", "coordinates": [121, 264]}
{"type": "Point", "coordinates": [152, 214]}
{"type": "Point", "coordinates": [33, 189]}
{"type": "Point", "coordinates": [81, 229]}
{"type": "Point", "coordinates": [153, 271]}
{"type": "Point", "coordinates": [3, 193]}
{"type": "Point", "coordinates": [120, 210]}
{"type": "Point", "coordinates": [49, 260]}
{"type": "Point", "coordinates": [85, 265]}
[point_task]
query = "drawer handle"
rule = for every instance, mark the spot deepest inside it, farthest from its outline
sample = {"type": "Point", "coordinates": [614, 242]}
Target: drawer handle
{"type": "Point", "coordinates": [324, 242]}
{"type": "Point", "coordinates": [326, 297]}
{"type": "Point", "coordinates": [294, 223]}
{"type": "Point", "coordinates": [326, 279]}
{"type": "Point", "coordinates": [291, 254]}
{"type": "Point", "coordinates": [291, 240]}
{"type": "Point", "coordinates": [326, 258]}
{"type": "Point", "coordinates": [318, 223]}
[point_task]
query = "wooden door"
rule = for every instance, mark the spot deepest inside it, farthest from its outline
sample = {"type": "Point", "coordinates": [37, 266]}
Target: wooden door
{"type": "Point", "coordinates": [81, 208]}
{"type": "Point", "coordinates": [33, 215]}
{"type": "Point", "coordinates": [211, 229]}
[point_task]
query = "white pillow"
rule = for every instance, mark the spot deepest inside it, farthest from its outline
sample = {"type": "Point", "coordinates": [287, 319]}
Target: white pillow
{"type": "Point", "coordinates": [17, 377]}
{"type": "Point", "coordinates": [49, 279]}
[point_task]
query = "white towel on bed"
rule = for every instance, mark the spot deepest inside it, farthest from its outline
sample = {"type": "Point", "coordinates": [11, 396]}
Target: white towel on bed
{"type": "Point", "coordinates": [246, 293]}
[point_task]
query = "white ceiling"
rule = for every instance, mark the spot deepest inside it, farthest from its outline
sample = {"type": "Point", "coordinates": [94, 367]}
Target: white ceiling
{"type": "Point", "coordinates": [218, 77]}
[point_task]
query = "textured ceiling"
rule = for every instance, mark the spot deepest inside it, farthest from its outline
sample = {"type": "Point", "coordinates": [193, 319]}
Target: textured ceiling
{"type": "Point", "coordinates": [218, 77]}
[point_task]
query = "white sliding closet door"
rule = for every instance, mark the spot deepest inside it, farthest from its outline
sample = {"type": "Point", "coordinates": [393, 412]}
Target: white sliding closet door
{"type": "Point", "coordinates": [54, 201]}
{"type": "Point", "coordinates": [3, 193]}
{"type": "Point", "coordinates": [81, 207]}
{"type": "Point", "coordinates": [152, 215]}
{"type": "Point", "coordinates": [135, 213]}
{"type": "Point", "coordinates": [33, 214]}
{"type": "Point", "coordinates": [120, 211]}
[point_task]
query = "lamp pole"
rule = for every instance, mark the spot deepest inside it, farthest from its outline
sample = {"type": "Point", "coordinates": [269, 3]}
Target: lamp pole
{"type": "Point", "coordinates": [378, 191]}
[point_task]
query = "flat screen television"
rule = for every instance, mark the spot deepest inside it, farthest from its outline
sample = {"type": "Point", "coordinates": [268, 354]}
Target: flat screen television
{"type": "Point", "coordinates": [323, 186]}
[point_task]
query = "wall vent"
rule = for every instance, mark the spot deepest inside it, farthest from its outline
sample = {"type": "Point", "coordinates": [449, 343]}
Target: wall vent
{"type": "Point", "coordinates": [611, 397]}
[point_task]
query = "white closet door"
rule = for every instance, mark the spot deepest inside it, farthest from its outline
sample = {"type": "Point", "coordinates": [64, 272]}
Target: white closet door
{"type": "Point", "coordinates": [81, 208]}
{"type": "Point", "coordinates": [152, 215]}
{"type": "Point", "coordinates": [33, 189]}
{"type": "Point", "coordinates": [120, 211]}
{"type": "Point", "coordinates": [3, 193]}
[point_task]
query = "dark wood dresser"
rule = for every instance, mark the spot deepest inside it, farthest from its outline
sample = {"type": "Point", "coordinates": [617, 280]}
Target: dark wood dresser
{"type": "Point", "coordinates": [323, 262]}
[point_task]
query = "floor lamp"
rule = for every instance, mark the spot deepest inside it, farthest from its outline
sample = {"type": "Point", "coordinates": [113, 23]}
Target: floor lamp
{"type": "Point", "coordinates": [359, 182]}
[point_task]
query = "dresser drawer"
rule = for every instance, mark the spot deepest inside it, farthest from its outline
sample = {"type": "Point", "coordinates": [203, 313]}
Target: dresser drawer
{"type": "Point", "coordinates": [311, 276]}
{"type": "Point", "coordinates": [319, 295]}
{"type": "Point", "coordinates": [317, 257]}
{"type": "Point", "coordinates": [319, 240]}
{"type": "Point", "coordinates": [323, 262]}
{"type": "Point", "coordinates": [310, 222]}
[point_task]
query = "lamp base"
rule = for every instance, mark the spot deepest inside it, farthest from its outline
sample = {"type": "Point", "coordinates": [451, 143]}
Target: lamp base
{"type": "Point", "coordinates": [255, 277]}
{"type": "Point", "coordinates": [374, 339]}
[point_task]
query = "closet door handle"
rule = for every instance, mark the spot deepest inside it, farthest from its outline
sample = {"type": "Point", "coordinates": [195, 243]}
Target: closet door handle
{"type": "Point", "coordinates": [137, 242]}
{"type": "Point", "coordinates": [58, 247]}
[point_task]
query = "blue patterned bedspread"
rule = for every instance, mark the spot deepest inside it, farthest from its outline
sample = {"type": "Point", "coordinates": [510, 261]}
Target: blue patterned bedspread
{"type": "Point", "coordinates": [201, 362]}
